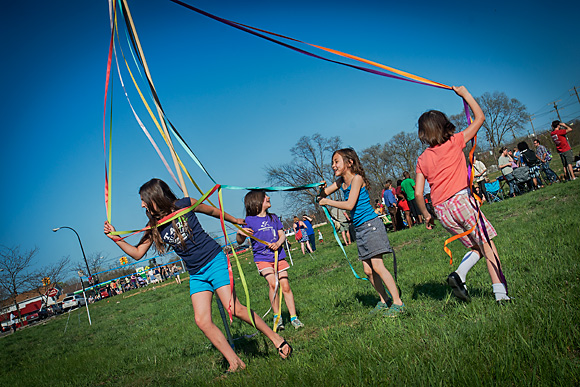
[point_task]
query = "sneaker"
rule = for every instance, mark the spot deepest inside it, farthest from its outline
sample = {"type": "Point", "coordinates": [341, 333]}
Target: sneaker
{"type": "Point", "coordinates": [458, 287]}
{"type": "Point", "coordinates": [394, 311]}
{"type": "Point", "coordinates": [297, 323]}
{"type": "Point", "coordinates": [280, 326]}
{"type": "Point", "coordinates": [381, 306]}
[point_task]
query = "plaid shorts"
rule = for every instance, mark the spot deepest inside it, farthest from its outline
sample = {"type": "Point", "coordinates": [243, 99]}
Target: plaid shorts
{"type": "Point", "coordinates": [535, 171]}
{"type": "Point", "coordinates": [459, 214]}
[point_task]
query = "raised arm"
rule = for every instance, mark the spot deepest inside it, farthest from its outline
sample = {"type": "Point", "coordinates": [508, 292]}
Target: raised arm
{"type": "Point", "coordinates": [214, 212]}
{"type": "Point", "coordinates": [479, 117]}
{"type": "Point", "coordinates": [566, 127]}
{"type": "Point", "coordinates": [135, 252]}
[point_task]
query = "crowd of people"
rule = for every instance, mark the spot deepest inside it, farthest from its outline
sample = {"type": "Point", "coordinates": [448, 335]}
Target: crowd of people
{"type": "Point", "coordinates": [135, 281]}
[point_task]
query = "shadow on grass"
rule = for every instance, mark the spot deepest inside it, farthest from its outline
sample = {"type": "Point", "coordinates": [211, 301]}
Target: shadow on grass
{"type": "Point", "coordinates": [251, 347]}
{"type": "Point", "coordinates": [440, 291]}
{"type": "Point", "coordinates": [367, 299]}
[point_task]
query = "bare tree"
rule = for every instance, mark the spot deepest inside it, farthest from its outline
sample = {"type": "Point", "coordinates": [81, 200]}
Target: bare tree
{"type": "Point", "coordinates": [404, 150]}
{"type": "Point", "coordinates": [378, 166]}
{"type": "Point", "coordinates": [94, 260]}
{"type": "Point", "coordinates": [14, 271]}
{"type": "Point", "coordinates": [503, 116]}
{"type": "Point", "coordinates": [55, 273]}
{"type": "Point", "coordinates": [312, 161]}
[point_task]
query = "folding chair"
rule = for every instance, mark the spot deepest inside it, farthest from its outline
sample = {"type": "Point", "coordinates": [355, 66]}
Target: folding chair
{"type": "Point", "coordinates": [494, 191]}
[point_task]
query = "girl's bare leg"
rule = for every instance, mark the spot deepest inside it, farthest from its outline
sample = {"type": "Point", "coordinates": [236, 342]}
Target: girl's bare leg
{"type": "Point", "coordinates": [492, 261]}
{"type": "Point", "coordinates": [241, 312]}
{"type": "Point", "coordinates": [288, 295]}
{"type": "Point", "coordinates": [379, 267]}
{"type": "Point", "coordinates": [273, 294]}
{"type": "Point", "coordinates": [202, 309]}
{"type": "Point", "coordinates": [375, 280]}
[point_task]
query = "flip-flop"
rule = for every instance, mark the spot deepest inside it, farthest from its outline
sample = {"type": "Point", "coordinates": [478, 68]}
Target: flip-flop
{"type": "Point", "coordinates": [281, 353]}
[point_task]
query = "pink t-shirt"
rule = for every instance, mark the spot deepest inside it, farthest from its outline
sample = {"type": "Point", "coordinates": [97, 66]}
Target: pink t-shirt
{"type": "Point", "coordinates": [444, 168]}
{"type": "Point", "coordinates": [559, 137]}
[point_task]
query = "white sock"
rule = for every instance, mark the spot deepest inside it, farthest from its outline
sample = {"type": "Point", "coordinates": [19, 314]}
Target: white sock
{"type": "Point", "coordinates": [500, 292]}
{"type": "Point", "coordinates": [469, 259]}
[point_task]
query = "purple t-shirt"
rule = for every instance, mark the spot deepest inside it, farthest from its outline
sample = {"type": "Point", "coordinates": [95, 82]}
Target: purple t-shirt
{"type": "Point", "coordinates": [199, 249]}
{"type": "Point", "coordinates": [265, 228]}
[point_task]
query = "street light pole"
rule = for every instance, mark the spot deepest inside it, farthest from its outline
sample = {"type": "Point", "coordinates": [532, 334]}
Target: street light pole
{"type": "Point", "coordinates": [83, 250]}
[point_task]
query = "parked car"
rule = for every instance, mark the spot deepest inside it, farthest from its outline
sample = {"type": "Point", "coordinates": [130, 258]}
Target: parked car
{"type": "Point", "coordinates": [43, 313]}
{"type": "Point", "coordinates": [74, 301]}
{"type": "Point", "coordinates": [32, 316]}
{"type": "Point", "coordinates": [54, 309]}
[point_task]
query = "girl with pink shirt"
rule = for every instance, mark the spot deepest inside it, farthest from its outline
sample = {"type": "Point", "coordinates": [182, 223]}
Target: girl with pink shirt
{"type": "Point", "coordinates": [443, 166]}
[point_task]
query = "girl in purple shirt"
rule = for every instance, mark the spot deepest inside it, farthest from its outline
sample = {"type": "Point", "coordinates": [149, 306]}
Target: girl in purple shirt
{"type": "Point", "coordinates": [268, 227]}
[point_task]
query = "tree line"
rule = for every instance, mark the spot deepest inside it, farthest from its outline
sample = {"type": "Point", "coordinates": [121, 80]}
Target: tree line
{"type": "Point", "coordinates": [311, 155]}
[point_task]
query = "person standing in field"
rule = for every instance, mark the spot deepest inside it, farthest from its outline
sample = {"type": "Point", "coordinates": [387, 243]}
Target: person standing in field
{"type": "Point", "coordinates": [408, 186]}
{"type": "Point", "coordinates": [301, 235]}
{"type": "Point", "coordinates": [310, 231]}
{"type": "Point", "coordinates": [545, 157]}
{"type": "Point", "coordinates": [505, 165]}
{"type": "Point", "coordinates": [371, 237]}
{"type": "Point", "coordinates": [341, 224]}
{"type": "Point", "coordinates": [558, 134]}
{"type": "Point", "coordinates": [443, 166]}
{"type": "Point", "coordinates": [268, 227]}
{"type": "Point", "coordinates": [204, 259]}
{"type": "Point", "coordinates": [390, 203]}
{"type": "Point", "coordinates": [480, 174]}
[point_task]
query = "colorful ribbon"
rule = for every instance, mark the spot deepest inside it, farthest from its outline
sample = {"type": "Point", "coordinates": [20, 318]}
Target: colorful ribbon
{"type": "Point", "coordinates": [404, 76]}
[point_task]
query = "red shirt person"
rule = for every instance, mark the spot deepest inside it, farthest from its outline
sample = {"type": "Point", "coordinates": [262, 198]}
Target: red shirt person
{"type": "Point", "coordinates": [559, 132]}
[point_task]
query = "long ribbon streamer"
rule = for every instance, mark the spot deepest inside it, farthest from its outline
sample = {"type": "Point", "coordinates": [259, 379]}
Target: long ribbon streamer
{"type": "Point", "coordinates": [252, 30]}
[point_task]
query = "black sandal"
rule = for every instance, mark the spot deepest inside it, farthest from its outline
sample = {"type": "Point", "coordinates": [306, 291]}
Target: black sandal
{"type": "Point", "coordinates": [281, 353]}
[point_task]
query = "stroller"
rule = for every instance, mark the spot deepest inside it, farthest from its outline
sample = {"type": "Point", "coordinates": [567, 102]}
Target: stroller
{"type": "Point", "coordinates": [523, 179]}
{"type": "Point", "coordinates": [494, 192]}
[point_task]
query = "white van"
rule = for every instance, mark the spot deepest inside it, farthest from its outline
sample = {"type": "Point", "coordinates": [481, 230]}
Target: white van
{"type": "Point", "coordinates": [72, 302]}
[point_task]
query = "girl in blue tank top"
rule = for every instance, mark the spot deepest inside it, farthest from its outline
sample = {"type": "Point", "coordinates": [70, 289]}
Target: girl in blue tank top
{"type": "Point", "coordinates": [371, 237]}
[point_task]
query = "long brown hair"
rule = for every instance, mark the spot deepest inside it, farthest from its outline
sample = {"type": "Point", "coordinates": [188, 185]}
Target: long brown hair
{"type": "Point", "coordinates": [349, 154]}
{"type": "Point", "coordinates": [156, 193]}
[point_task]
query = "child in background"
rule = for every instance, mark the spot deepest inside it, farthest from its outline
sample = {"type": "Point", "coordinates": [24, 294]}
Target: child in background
{"type": "Point", "coordinates": [204, 259]}
{"type": "Point", "coordinates": [268, 227]}
{"type": "Point", "coordinates": [320, 237]}
{"type": "Point", "coordinates": [304, 240]}
{"type": "Point", "coordinates": [371, 236]}
{"type": "Point", "coordinates": [403, 204]}
{"type": "Point", "coordinates": [443, 165]}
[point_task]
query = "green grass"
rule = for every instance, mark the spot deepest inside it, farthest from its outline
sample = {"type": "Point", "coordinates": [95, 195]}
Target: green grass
{"type": "Point", "coordinates": [150, 338]}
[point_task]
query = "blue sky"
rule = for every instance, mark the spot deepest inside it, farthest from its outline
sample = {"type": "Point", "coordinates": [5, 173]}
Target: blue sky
{"type": "Point", "coordinates": [242, 102]}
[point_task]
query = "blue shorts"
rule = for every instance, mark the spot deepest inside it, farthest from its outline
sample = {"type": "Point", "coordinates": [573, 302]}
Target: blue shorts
{"type": "Point", "coordinates": [212, 276]}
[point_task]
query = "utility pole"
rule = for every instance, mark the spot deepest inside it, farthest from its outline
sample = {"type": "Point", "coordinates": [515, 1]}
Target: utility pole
{"type": "Point", "coordinates": [556, 108]}
{"type": "Point", "coordinates": [576, 92]}
{"type": "Point", "coordinates": [534, 130]}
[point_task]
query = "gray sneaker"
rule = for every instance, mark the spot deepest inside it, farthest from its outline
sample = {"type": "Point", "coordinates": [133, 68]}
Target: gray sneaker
{"type": "Point", "coordinates": [297, 323]}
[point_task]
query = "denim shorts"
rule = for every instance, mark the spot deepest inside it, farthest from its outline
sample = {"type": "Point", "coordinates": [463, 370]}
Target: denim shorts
{"type": "Point", "coordinates": [211, 277]}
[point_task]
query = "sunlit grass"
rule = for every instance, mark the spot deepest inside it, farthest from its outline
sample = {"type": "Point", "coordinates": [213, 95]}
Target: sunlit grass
{"type": "Point", "coordinates": [151, 338]}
